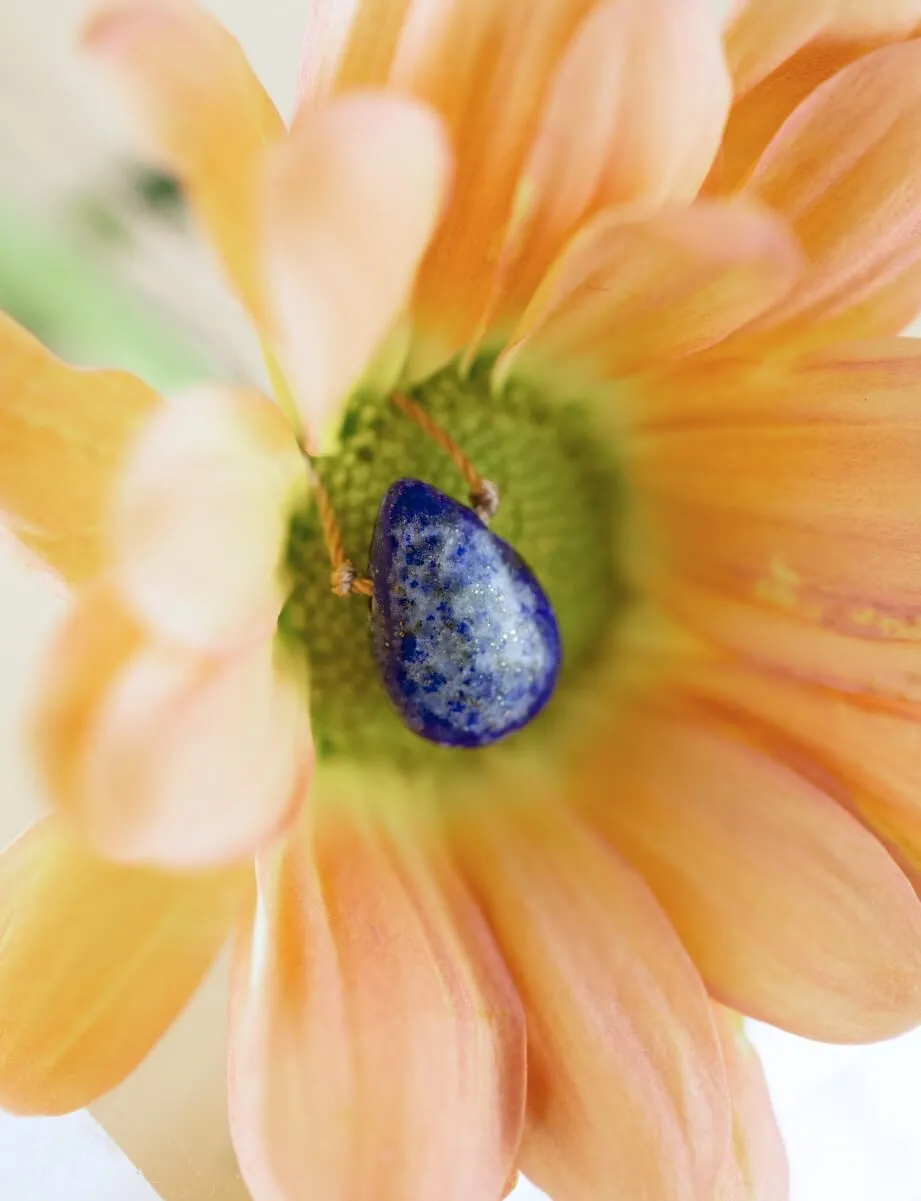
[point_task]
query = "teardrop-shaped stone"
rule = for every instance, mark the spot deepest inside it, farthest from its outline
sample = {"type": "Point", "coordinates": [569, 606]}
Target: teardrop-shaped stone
{"type": "Point", "coordinates": [463, 635]}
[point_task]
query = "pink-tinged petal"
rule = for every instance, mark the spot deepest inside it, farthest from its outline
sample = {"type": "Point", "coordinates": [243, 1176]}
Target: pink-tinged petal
{"type": "Point", "coordinates": [202, 515]}
{"type": "Point", "coordinates": [97, 962]}
{"type": "Point", "coordinates": [349, 45]}
{"type": "Point", "coordinates": [758, 114]}
{"type": "Point", "coordinates": [763, 33]}
{"type": "Point", "coordinates": [626, 1088]}
{"type": "Point", "coordinates": [207, 114]}
{"type": "Point", "coordinates": [635, 113]}
{"type": "Point", "coordinates": [352, 199]}
{"type": "Point", "coordinates": [867, 756]}
{"type": "Point", "coordinates": [163, 756]}
{"type": "Point", "coordinates": [377, 1043]}
{"type": "Point", "coordinates": [633, 290]}
{"type": "Point", "coordinates": [843, 171]}
{"type": "Point", "coordinates": [487, 68]}
{"type": "Point", "coordinates": [780, 508]}
{"type": "Point", "coordinates": [791, 909]}
{"type": "Point", "coordinates": [63, 434]}
{"type": "Point", "coordinates": [758, 1169]}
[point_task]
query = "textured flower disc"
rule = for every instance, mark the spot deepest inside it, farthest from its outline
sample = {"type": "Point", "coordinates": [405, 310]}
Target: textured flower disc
{"type": "Point", "coordinates": [463, 635]}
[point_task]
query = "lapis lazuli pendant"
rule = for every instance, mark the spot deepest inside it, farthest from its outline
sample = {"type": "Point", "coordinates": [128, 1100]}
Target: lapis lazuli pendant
{"type": "Point", "coordinates": [464, 637]}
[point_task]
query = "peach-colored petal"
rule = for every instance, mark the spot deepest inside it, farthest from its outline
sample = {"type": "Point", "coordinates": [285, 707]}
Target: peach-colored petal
{"type": "Point", "coordinates": [757, 115]}
{"type": "Point", "coordinates": [791, 909]}
{"type": "Point", "coordinates": [206, 111]}
{"type": "Point", "coordinates": [377, 1044]}
{"type": "Point", "coordinates": [757, 1170]}
{"type": "Point", "coordinates": [170, 1116]}
{"type": "Point", "coordinates": [352, 198]}
{"type": "Point", "coordinates": [202, 516]}
{"type": "Point", "coordinates": [487, 69]}
{"type": "Point", "coordinates": [633, 290]}
{"type": "Point", "coordinates": [626, 1091]}
{"type": "Point", "coordinates": [163, 756]}
{"type": "Point", "coordinates": [763, 33]}
{"type": "Point", "coordinates": [63, 433]}
{"type": "Point", "coordinates": [349, 45]}
{"type": "Point", "coordinates": [867, 756]}
{"type": "Point", "coordinates": [635, 114]}
{"type": "Point", "coordinates": [97, 961]}
{"type": "Point", "coordinates": [842, 171]}
{"type": "Point", "coordinates": [787, 496]}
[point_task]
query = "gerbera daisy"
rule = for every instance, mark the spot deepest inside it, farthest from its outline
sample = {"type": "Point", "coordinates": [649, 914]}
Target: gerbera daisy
{"type": "Point", "coordinates": [454, 963]}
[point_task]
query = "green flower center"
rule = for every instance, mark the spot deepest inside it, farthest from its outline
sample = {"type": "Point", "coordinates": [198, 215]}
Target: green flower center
{"type": "Point", "coordinates": [559, 509]}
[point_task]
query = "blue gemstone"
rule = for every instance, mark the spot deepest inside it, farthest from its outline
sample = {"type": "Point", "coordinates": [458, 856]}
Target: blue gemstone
{"type": "Point", "coordinates": [463, 635]}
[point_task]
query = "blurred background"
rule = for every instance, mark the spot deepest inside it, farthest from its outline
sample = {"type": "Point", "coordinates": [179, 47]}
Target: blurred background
{"type": "Point", "coordinates": [98, 258]}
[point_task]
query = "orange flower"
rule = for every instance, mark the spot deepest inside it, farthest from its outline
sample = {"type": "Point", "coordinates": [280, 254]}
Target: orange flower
{"type": "Point", "coordinates": [455, 964]}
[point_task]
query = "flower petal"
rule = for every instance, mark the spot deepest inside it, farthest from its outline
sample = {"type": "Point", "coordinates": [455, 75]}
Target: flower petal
{"type": "Point", "coordinates": [97, 962]}
{"type": "Point", "coordinates": [349, 45]}
{"type": "Point", "coordinates": [759, 113]}
{"type": "Point", "coordinates": [209, 116]}
{"type": "Point", "coordinates": [486, 68]}
{"type": "Point", "coordinates": [163, 756]}
{"type": "Point", "coordinates": [377, 1044]}
{"type": "Point", "coordinates": [169, 1117]}
{"type": "Point", "coordinates": [869, 757]}
{"type": "Point", "coordinates": [626, 1092]}
{"type": "Point", "coordinates": [763, 33]}
{"type": "Point", "coordinates": [645, 85]}
{"type": "Point", "coordinates": [842, 171]}
{"type": "Point", "coordinates": [352, 198]}
{"type": "Point", "coordinates": [202, 517]}
{"type": "Point", "coordinates": [781, 501]}
{"type": "Point", "coordinates": [758, 1169]}
{"type": "Point", "coordinates": [633, 290]}
{"type": "Point", "coordinates": [792, 911]}
{"type": "Point", "coordinates": [65, 426]}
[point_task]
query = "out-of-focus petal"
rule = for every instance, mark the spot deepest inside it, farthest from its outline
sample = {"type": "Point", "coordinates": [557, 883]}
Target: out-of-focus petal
{"type": "Point", "coordinates": [349, 45]}
{"type": "Point", "coordinates": [791, 909]}
{"type": "Point", "coordinates": [377, 1043]}
{"type": "Point", "coordinates": [757, 1170]}
{"type": "Point", "coordinates": [843, 171]}
{"type": "Point", "coordinates": [488, 69]}
{"type": "Point", "coordinates": [163, 756]}
{"type": "Point", "coordinates": [637, 290]}
{"type": "Point", "coordinates": [787, 496]}
{"type": "Point", "coordinates": [763, 33]}
{"type": "Point", "coordinates": [169, 1117]}
{"type": "Point", "coordinates": [63, 433]}
{"type": "Point", "coordinates": [208, 115]}
{"type": "Point", "coordinates": [635, 114]}
{"type": "Point", "coordinates": [757, 115]}
{"type": "Point", "coordinates": [352, 198]}
{"type": "Point", "coordinates": [626, 1091]}
{"type": "Point", "coordinates": [97, 961]}
{"type": "Point", "coordinates": [202, 514]}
